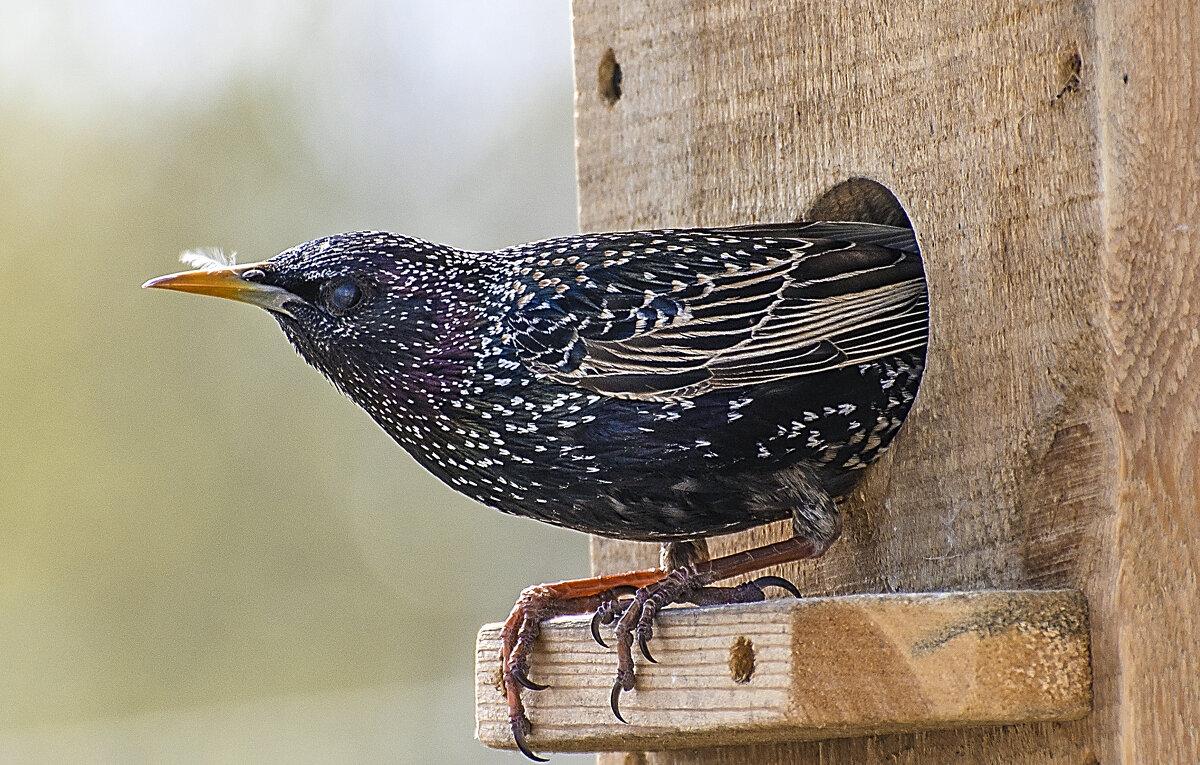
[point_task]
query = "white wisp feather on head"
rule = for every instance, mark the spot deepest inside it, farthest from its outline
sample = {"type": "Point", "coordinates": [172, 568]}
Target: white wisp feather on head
{"type": "Point", "coordinates": [208, 259]}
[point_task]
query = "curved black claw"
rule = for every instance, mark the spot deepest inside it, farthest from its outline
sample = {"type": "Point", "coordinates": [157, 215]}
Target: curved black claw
{"type": "Point", "coordinates": [608, 611]}
{"type": "Point", "coordinates": [596, 622]}
{"type": "Point", "coordinates": [612, 700]}
{"type": "Point", "coordinates": [518, 674]}
{"type": "Point", "coordinates": [777, 581]}
{"type": "Point", "coordinates": [641, 638]}
{"type": "Point", "coordinates": [518, 731]}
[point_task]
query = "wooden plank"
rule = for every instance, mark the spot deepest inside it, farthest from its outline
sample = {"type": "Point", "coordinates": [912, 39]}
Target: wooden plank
{"type": "Point", "coordinates": [1149, 95]}
{"type": "Point", "coordinates": [805, 669]}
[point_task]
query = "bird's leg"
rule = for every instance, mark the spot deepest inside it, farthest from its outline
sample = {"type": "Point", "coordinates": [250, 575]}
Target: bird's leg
{"type": "Point", "coordinates": [691, 584]}
{"type": "Point", "coordinates": [673, 555]}
{"type": "Point", "coordinates": [816, 524]}
{"type": "Point", "coordinates": [679, 554]}
{"type": "Point", "coordinates": [543, 601]}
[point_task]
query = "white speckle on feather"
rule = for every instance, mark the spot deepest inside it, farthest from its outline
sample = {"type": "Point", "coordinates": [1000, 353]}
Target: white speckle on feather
{"type": "Point", "coordinates": [208, 259]}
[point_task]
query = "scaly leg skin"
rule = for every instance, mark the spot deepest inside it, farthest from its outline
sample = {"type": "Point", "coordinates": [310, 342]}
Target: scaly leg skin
{"type": "Point", "coordinates": [543, 601]}
{"type": "Point", "coordinates": [691, 584]}
{"type": "Point", "coordinates": [816, 525]}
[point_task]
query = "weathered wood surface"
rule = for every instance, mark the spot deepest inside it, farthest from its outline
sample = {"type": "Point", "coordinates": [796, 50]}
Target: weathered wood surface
{"type": "Point", "coordinates": [1047, 154]}
{"type": "Point", "coordinates": [1149, 96]}
{"type": "Point", "coordinates": [806, 669]}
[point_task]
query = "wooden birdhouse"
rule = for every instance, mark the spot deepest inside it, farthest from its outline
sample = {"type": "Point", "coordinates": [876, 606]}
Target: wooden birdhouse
{"type": "Point", "coordinates": [1047, 156]}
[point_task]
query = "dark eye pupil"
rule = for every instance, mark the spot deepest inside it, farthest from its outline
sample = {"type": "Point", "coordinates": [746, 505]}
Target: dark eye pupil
{"type": "Point", "coordinates": [344, 296]}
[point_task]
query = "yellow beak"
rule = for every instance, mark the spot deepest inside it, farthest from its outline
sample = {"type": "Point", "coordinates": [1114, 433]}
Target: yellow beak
{"type": "Point", "coordinates": [228, 283]}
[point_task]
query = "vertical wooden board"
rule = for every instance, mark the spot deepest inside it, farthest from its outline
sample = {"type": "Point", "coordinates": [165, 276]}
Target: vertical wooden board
{"type": "Point", "coordinates": [981, 118]}
{"type": "Point", "coordinates": [1149, 84]}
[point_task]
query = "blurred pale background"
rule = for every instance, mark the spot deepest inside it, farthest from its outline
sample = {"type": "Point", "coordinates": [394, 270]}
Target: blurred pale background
{"type": "Point", "coordinates": [206, 555]}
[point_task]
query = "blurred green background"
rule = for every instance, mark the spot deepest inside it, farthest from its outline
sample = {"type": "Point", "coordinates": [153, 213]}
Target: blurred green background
{"type": "Point", "coordinates": [206, 554]}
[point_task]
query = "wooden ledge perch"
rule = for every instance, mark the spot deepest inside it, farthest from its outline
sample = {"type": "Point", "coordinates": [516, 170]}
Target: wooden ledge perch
{"type": "Point", "coordinates": [817, 668]}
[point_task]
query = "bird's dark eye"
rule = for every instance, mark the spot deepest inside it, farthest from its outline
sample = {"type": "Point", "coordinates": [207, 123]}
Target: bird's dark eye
{"type": "Point", "coordinates": [343, 295]}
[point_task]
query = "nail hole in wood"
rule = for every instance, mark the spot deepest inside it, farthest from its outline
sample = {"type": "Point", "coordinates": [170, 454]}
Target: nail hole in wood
{"type": "Point", "coordinates": [741, 659]}
{"type": "Point", "coordinates": [498, 681]}
{"type": "Point", "coordinates": [1070, 67]}
{"type": "Point", "coordinates": [610, 77]}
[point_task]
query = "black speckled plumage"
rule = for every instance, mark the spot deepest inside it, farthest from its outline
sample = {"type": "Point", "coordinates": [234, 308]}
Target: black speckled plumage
{"type": "Point", "coordinates": [645, 385]}
{"type": "Point", "coordinates": [655, 385]}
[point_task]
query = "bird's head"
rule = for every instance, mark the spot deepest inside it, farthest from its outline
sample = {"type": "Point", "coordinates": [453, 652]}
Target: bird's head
{"type": "Point", "coordinates": [368, 309]}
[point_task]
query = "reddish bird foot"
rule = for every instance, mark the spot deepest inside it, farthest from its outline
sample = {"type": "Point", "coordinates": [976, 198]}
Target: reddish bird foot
{"type": "Point", "coordinates": [608, 599]}
{"type": "Point", "coordinates": [682, 585]}
{"type": "Point", "coordinates": [524, 624]}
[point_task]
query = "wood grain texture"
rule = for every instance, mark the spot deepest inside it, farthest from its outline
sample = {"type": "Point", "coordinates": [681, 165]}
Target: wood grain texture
{"type": "Point", "coordinates": [807, 669]}
{"type": "Point", "coordinates": [1047, 155]}
{"type": "Point", "coordinates": [1150, 98]}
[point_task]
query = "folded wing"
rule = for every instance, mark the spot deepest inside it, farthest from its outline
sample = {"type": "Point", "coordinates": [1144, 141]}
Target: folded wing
{"type": "Point", "coordinates": [674, 314]}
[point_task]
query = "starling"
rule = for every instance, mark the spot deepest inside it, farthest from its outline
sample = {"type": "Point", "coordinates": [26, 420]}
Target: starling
{"type": "Point", "coordinates": [664, 385]}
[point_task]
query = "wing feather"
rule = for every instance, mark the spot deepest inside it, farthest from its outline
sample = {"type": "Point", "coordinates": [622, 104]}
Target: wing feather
{"type": "Point", "coordinates": [734, 307]}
